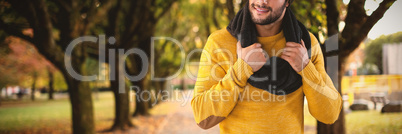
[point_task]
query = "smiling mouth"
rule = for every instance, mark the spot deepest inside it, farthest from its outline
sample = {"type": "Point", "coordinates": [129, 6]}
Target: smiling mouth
{"type": "Point", "coordinates": [260, 10]}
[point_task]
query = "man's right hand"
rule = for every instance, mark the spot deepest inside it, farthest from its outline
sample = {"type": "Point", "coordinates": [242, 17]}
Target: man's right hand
{"type": "Point", "coordinates": [253, 55]}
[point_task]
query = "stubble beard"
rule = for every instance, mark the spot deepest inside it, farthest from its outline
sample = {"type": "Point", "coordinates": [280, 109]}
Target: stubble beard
{"type": "Point", "coordinates": [271, 18]}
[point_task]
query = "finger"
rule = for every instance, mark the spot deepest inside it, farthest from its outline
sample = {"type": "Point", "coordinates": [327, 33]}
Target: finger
{"type": "Point", "coordinates": [283, 56]}
{"type": "Point", "coordinates": [265, 54]}
{"type": "Point", "coordinates": [290, 49]}
{"type": "Point", "coordinates": [286, 58]}
{"type": "Point", "coordinates": [238, 46]}
{"type": "Point", "coordinates": [265, 58]}
{"type": "Point", "coordinates": [256, 45]}
{"type": "Point", "coordinates": [251, 47]}
{"type": "Point", "coordinates": [292, 44]}
{"type": "Point", "coordinates": [260, 50]}
{"type": "Point", "coordinates": [302, 42]}
{"type": "Point", "coordinates": [262, 55]}
{"type": "Point", "coordinates": [289, 54]}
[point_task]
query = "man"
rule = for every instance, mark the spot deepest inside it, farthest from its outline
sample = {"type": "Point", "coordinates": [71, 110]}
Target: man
{"type": "Point", "coordinates": [254, 74]}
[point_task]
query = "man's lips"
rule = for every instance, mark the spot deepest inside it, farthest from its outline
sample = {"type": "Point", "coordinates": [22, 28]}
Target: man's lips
{"type": "Point", "coordinates": [261, 10]}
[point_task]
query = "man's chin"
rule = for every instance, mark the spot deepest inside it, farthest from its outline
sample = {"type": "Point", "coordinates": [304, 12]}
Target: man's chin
{"type": "Point", "coordinates": [259, 20]}
{"type": "Point", "coordinates": [261, 14]}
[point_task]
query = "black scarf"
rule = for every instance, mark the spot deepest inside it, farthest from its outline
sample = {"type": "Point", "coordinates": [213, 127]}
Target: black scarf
{"type": "Point", "coordinates": [277, 75]}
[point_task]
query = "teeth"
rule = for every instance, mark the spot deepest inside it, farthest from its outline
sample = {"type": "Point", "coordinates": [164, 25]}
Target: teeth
{"type": "Point", "coordinates": [261, 10]}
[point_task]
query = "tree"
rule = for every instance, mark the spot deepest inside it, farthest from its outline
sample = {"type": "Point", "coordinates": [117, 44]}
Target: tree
{"type": "Point", "coordinates": [132, 24]}
{"type": "Point", "coordinates": [9, 74]}
{"type": "Point", "coordinates": [72, 19]}
{"type": "Point", "coordinates": [22, 64]}
{"type": "Point", "coordinates": [181, 23]}
{"type": "Point", "coordinates": [142, 27]}
{"type": "Point", "coordinates": [373, 51]}
{"type": "Point", "coordinates": [312, 14]}
{"type": "Point", "coordinates": [357, 26]}
{"type": "Point", "coordinates": [33, 87]}
{"type": "Point", "coordinates": [50, 72]}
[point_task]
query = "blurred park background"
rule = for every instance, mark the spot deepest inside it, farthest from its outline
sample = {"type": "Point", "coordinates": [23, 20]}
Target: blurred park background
{"type": "Point", "coordinates": [38, 95]}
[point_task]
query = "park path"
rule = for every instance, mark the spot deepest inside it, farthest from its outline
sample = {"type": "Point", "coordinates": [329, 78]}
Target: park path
{"type": "Point", "coordinates": [170, 117]}
{"type": "Point", "coordinates": [181, 121]}
{"type": "Point", "coordinates": [178, 119]}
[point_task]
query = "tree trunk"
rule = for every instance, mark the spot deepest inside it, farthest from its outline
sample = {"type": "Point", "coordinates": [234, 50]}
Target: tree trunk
{"type": "Point", "coordinates": [1, 91]}
{"type": "Point", "coordinates": [160, 87]}
{"type": "Point", "coordinates": [183, 84]}
{"type": "Point", "coordinates": [80, 96]}
{"type": "Point", "coordinates": [33, 91]}
{"type": "Point", "coordinates": [339, 126]}
{"type": "Point", "coordinates": [336, 128]}
{"type": "Point", "coordinates": [332, 17]}
{"type": "Point", "coordinates": [122, 118]}
{"type": "Point", "coordinates": [6, 91]}
{"type": "Point", "coordinates": [332, 24]}
{"type": "Point", "coordinates": [33, 88]}
{"type": "Point", "coordinates": [141, 103]}
{"type": "Point", "coordinates": [51, 88]}
{"type": "Point", "coordinates": [148, 97]}
{"type": "Point", "coordinates": [230, 7]}
{"type": "Point", "coordinates": [122, 109]}
{"type": "Point", "coordinates": [70, 25]}
{"type": "Point", "coordinates": [81, 106]}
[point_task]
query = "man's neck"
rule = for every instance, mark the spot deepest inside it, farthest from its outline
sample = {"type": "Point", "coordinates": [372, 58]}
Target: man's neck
{"type": "Point", "coordinates": [270, 29]}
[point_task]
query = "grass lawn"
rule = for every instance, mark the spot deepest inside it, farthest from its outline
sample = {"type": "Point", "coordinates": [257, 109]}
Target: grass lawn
{"type": "Point", "coordinates": [366, 122]}
{"type": "Point", "coordinates": [373, 122]}
{"type": "Point", "coordinates": [44, 116]}
{"type": "Point", "coordinates": [51, 116]}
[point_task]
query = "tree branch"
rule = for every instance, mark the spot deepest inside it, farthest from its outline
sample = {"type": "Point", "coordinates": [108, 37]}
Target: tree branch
{"type": "Point", "coordinates": [229, 5]}
{"type": "Point", "coordinates": [165, 9]}
{"type": "Point", "coordinates": [111, 29]}
{"type": "Point", "coordinates": [43, 35]}
{"type": "Point", "coordinates": [96, 12]}
{"type": "Point", "coordinates": [129, 23]}
{"type": "Point", "coordinates": [332, 17]}
{"type": "Point", "coordinates": [375, 16]}
{"type": "Point", "coordinates": [355, 18]}
{"type": "Point", "coordinates": [26, 10]}
{"type": "Point", "coordinates": [368, 24]}
{"type": "Point", "coordinates": [63, 4]}
{"type": "Point", "coordinates": [15, 31]}
{"type": "Point", "coordinates": [214, 20]}
{"type": "Point", "coordinates": [204, 14]}
{"type": "Point", "coordinates": [351, 43]}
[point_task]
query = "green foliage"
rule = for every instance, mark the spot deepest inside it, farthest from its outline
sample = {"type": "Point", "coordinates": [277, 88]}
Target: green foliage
{"type": "Point", "coordinates": [311, 14]}
{"type": "Point", "coordinates": [368, 69]}
{"type": "Point", "coordinates": [373, 51]}
{"type": "Point", "coordinates": [91, 66]}
{"type": "Point", "coordinates": [168, 58]}
{"type": "Point", "coordinates": [59, 82]}
{"type": "Point", "coordinates": [190, 23]}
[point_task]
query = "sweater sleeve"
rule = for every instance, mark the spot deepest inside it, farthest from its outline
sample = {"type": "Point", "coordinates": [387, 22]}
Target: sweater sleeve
{"type": "Point", "coordinates": [216, 89]}
{"type": "Point", "coordinates": [324, 101]}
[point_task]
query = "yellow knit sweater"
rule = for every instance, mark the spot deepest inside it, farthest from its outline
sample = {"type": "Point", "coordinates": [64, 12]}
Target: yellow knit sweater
{"type": "Point", "coordinates": [222, 94]}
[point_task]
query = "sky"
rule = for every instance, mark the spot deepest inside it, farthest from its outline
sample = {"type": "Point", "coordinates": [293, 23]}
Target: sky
{"type": "Point", "coordinates": [391, 21]}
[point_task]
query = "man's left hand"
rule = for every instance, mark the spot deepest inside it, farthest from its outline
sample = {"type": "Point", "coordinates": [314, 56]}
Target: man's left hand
{"type": "Point", "coordinates": [296, 55]}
